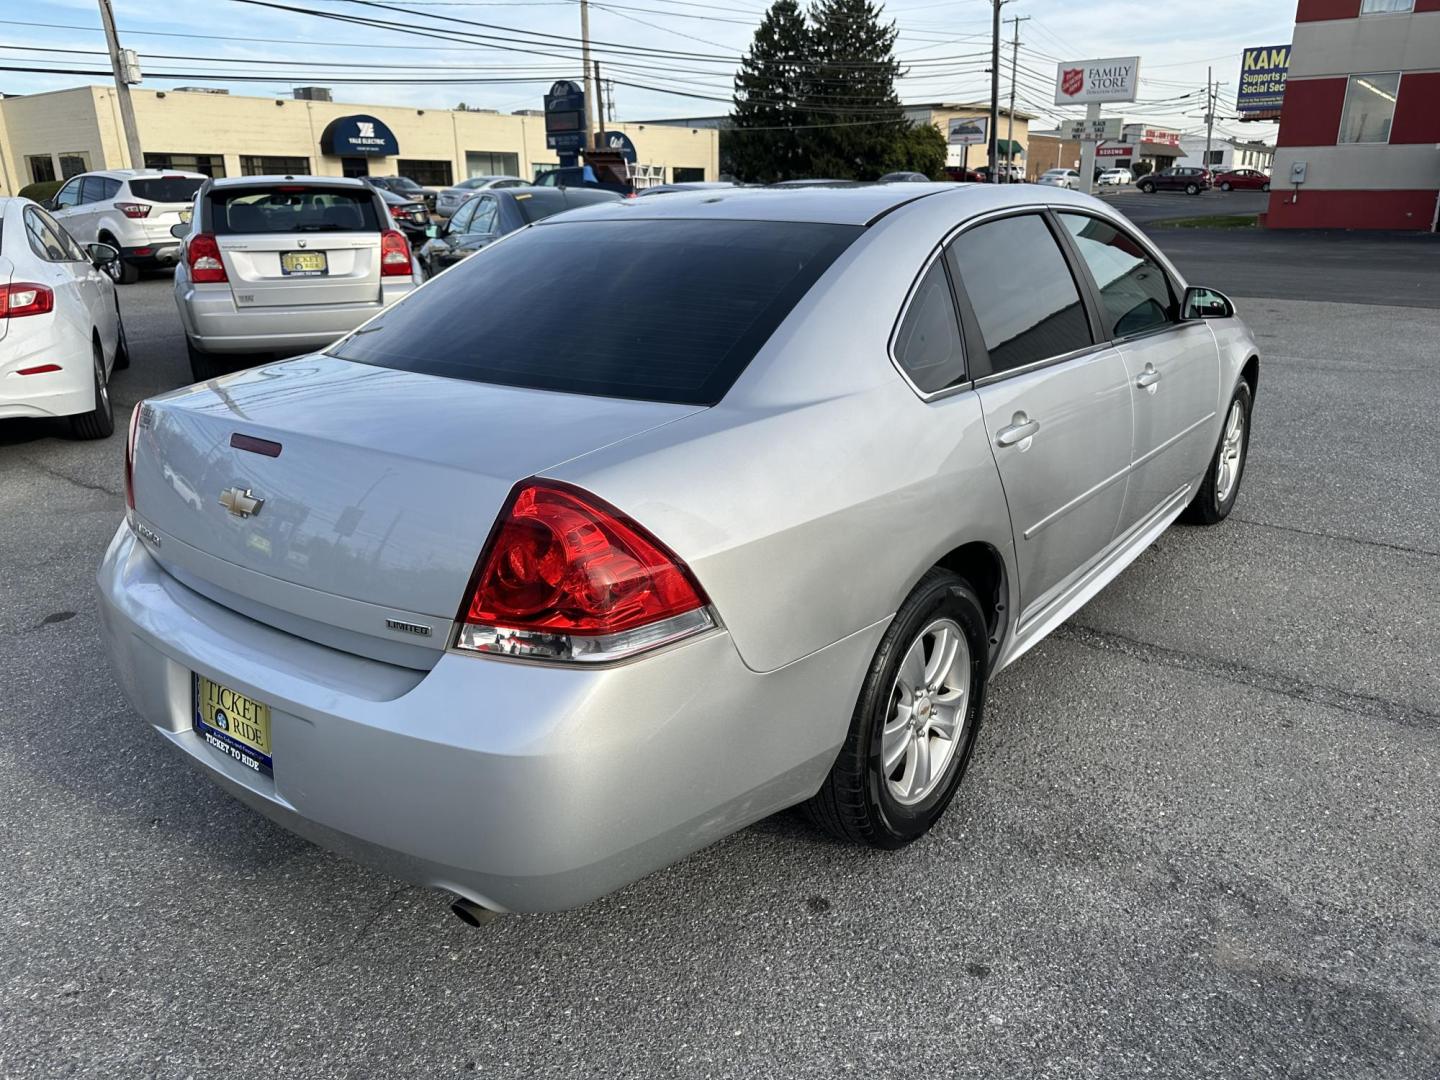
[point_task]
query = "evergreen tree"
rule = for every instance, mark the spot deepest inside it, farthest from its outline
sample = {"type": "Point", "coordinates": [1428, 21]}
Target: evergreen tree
{"type": "Point", "coordinates": [768, 140]}
{"type": "Point", "coordinates": [853, 91]}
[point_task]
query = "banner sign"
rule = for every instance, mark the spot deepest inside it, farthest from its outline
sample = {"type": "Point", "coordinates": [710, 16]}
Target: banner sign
{"type": "Point", "coordinates": [969, 130]}
{"type": "Point", "coordinates": [1083, 82]}
{"type": "Point", "coordinates": [1115, 150]}
{"type": "Point", "coordinates": [1087, 131]}
{"type": "Point", "coordinates": [1262, 79]}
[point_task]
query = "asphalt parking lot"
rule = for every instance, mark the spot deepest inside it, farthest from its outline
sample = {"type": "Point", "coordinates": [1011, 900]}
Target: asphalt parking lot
{"type": "Point", "coordinates": [1200, 835]}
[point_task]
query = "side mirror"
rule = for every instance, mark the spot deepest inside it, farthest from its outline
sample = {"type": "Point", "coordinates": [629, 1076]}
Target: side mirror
{"type": "Point", "coordinates": [50, 203]}
{"type": "Point", "coordinates": [102, 254]}
{"type": "Point", "coordinates": [1206, 304]}
{"type": "Point", "coordinates": [180, 230]}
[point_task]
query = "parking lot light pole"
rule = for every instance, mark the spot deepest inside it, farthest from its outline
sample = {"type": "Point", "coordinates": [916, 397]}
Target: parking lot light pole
{"type": "Point", "coordinates": [122, 87]}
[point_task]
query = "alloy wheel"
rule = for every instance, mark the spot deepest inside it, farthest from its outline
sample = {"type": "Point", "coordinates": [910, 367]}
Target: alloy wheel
{"type": "Point", "coordinates": [1232, 447]}
{"type": "Point", "coordinates": [102, 386]}
{"type": "Point", "coordinates": [929, 703]}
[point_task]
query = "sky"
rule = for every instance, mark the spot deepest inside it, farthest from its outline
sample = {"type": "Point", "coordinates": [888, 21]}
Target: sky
{"type": "Point", "coordinates": [667, 58]}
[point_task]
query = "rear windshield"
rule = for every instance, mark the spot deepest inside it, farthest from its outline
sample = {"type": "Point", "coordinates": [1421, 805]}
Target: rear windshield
{"type": "Point", "coordinates": [278, 210]}
{"type": "Point", "coordinates": [656, 310]}
{"type": "Point", "coordinates": [167, 188]}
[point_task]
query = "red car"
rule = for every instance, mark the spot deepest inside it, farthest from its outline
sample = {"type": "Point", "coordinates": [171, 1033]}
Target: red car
{"type": "Point", "coordinates": [1242, 180]}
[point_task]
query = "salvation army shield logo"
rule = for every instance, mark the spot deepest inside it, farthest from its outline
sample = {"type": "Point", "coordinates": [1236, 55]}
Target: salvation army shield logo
{"type": "Point", "coordinates": [1072, 81]}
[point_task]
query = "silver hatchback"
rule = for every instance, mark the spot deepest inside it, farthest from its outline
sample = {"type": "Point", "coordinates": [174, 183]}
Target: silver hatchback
{"type": "Point", "coordinates": [272, 264]}
{"type": "Point", "coordinates": [541, 580]}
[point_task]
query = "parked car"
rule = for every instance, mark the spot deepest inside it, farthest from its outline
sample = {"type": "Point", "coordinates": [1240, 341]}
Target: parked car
{"type": "Point", "coordinates": [404, 186]}
{"type": "Point", "coordinates": [1061, 178]}
{"type": "Point", "coordinates": [132, 210]}
{"type": "Point", "coordinates": [61, 335]}
{"type": "Point", "coordinates": [687, 185]}
{"type": "Point", "coordinates": [488, 215]}
{"type": "Point", "coordinates": [1115, 178]}
{"type": "Point", "coordinates": [547, 576]}
{"type": "Point", "coordinates": [448, 200]}
{"type": "Point", "coordinates": [410, 216]}
{"type": "Point", "coordinates": [1013, 171]}
{"type": "Point", "coordinates": [578, 176]}
{"type": "Point", "coordinates": [1190, 181]}
{"type": "Point", "coordinates": [904, 178]}
{"type": "Point", "coordinates": [284, 264]}
{"type": "Point", "coordinates": [1242, 179]}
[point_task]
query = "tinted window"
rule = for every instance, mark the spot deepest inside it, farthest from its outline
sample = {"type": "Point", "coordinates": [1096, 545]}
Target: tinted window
{"type": "Point", "coordinates": [484, 220]}
{"type": "Point", "coordinates": [300, 209]}
{"type": "Point", "coordinates": [69, 194]}
{"type": "Point", "coordinates": [1133, 288]}
{"type": "Point", "coordinates": [92, 189]}
{"type": "Point", "coordinates": [928, 344]}
{"type": "Point", "coordinates": [167, 188]}
{"type": "Point", "coordinates": [46, 239]}
{"type": "Point", "coordinates": [1020, 286]}
{"type": "Point", "coordinates": [656, 310]}
{"type": "Point", "coordinates": [461, 221]}
{"type": "Point", "coordinates": [535, 205]}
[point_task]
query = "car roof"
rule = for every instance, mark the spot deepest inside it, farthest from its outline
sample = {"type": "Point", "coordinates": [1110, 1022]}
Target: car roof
{"type": "Point", "coordinates": [250, 181]}
{"type": "Point", "coordinates": [143, 174]}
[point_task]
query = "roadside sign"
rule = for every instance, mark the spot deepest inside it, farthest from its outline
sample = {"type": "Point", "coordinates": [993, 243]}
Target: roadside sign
{"type": "Point", "coordinates": [1262, 81]}
{"type": "Point", "coordinates": [565, 117]}
{"type": "Point", "coordinates": [618, 140]}
{"type": "Point", "coordinates": [969, 130]}
{"type": "Point", "coordinates": [1108, 127]}
{"type": "Point", "coordinates": [1086, 82]}
{"type": "Point", "coordinates": [1115, 150]}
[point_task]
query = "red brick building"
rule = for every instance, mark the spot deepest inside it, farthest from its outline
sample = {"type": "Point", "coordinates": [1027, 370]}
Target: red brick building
{"type": "Point", "coordinates": [1362, 112]}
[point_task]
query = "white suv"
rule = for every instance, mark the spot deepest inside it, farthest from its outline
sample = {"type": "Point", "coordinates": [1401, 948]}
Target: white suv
{"type": "Point", "coordinates": [132, 210]}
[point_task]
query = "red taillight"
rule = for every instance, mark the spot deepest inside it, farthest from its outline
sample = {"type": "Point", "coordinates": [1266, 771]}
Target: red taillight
{"type": "Point", "coordinates": [21, 298]}
{"type": "Point", "coordinates": [130, 455]}
{"type": "Point", "coordinates": [133, 209]}
{"type": "Point", "coordinates": [394, 253]}
{"type": "Point", "coordinates": [567, 576]}
{"type": "Point", "coordinates": [39, 369]}
{"type": "Point", "coordinates": [202, 255]}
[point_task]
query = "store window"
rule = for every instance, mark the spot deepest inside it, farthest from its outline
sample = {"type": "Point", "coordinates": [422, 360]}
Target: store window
{"type": "Point", "coordinates": [427, 173]}
{"type": "Point", "coordinates": [1380, 7]}
{"type": "Point", "coordinates": [491, 163]}
{"type": "Point", "coordinates": [682, 175]}
{"type": "Point", "coordinates": [1215, 157]}
{"type": "Point", "coordinates": [260, 165]}
{"type": "Point", "coordinates": [211, 165]}
{"type": "Point", "coordinates": [1369, 108]}
{"type": "Point", "coordinates": [73, 163]}
{"type": "Point", "coordinates": [42, 168]}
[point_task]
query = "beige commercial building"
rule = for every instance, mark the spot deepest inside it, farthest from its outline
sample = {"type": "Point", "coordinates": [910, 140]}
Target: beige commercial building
{"type": "Point", "coordinates": [1012, 139]}
{"type": "Point", "coordinates": [54, 135]}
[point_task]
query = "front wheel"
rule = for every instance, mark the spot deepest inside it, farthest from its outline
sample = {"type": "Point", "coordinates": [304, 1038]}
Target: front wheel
{"type": "Point", "coordinates": [1192, 189]}
{"type": "Point", "coordinates": [914, 727]}
{"type": "Point", "coordinates": [1265, 186]}
{"type": "Point", "coordinates": [1148, 189]}
{"type": "Point", "coordinates": [1216, 498]}
{"type": "Point", "coordinates": [122, 343]}
{"type": "Point", "coordinates": [1225, 186]}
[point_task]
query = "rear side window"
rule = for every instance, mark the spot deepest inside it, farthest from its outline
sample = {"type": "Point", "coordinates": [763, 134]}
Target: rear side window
{"type": "Point", "coordinates": [167, 188]}
{"type": "Point", "coordinates": [927, 345]}
{"type": "Point", "coordinates": [290, 208]}
{"type": "Point", "coordinates": [1024, 296]}
{"type": "Point", "coordinates": [655, 310]}
{"type": "Point", "coordinates": [1133, 288]}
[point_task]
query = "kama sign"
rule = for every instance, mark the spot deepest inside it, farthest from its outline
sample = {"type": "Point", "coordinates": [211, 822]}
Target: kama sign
{"type": "Point", "coordinates": [347, 136]}
{"type": "Point", "coordinates": [1084, 82]}
{"type": "Point", "coordinates": [1262, 79]}
{"type": "Point", "coordinates": [968, 130]}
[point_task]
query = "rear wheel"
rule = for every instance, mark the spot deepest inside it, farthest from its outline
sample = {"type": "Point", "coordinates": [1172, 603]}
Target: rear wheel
{"type": "Point", "coordinates": [1225, 185]}
{"type": "Point", "coordinates": [120, 271]}
{"type": "Point", "coordinates": [1216, 498]}
{"type": "Point", "coordinates": [1265, 186]}
{"type": "Point", "coordinates": [915, 724]}
{"type": "Point", "coordinates": [203, 366]}
{"type": "Point", "coordinates": [99, 422]}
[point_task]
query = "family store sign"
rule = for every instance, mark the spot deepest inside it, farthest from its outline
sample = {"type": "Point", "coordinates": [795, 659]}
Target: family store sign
{"type": "Point", "coordinates": [1086, 82]}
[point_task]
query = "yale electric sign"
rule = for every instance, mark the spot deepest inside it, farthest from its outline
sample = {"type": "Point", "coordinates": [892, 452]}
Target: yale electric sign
{"type": "Point", "coordinates": [1262, 79]}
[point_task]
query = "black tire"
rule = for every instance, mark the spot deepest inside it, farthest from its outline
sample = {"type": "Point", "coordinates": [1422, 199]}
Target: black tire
{"type": "Point", "coordinates": [1148, 189]}
{"type": "Point", "coordinates": [855, 802]}
{"type": "Point", "coordinates": [1208, 508]}
{"type": "Point", "coordinates": [203, 366]}
{"type": "Point", "coordinates": [1225, 186]}
{"type": "Point", "coordinates": [1265, 186]}
{"type": "Point", "coordinates": [1192, 189]}
{"type": "Point", "coordinates": [122, 344]}
{"type": "Point", "coordinates": [99, 422]}
{"type": "Point", "coordinates": [120, 271]}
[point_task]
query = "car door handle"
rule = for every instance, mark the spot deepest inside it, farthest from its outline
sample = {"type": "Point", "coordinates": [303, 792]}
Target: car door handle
{"type": "Point", "coordinates": [1019, 430]}
{"type": "Point", "coordinates": [1147, 378]}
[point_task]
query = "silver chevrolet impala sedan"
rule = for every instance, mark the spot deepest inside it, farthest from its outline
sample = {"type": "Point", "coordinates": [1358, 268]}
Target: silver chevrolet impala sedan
{"type": "Point", "coordinates": [663, 515]}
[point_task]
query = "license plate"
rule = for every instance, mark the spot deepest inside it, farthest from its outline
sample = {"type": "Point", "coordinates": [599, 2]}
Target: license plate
{"type": "Point", "coordinates": [304, 263]}
{"type": "Point", "coordinates": [233, 724]}
{"type": "Point", "coordinates": [185, 217]}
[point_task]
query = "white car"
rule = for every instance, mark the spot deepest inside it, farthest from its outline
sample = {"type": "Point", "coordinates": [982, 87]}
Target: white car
{"type": "Point", "coordinates": [1116, 178]}
{"type": "Point", "coordinates": [60, 329]}
{"type": "Point", "coordinates": [450, 198]}
{"type": "Point", "coordinates": [1061, 178]}
{"type": "Point", "coordinates": [132, 210]}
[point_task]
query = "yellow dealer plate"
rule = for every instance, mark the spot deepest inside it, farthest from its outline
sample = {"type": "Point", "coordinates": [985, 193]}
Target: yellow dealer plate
{"type": "Point", "coordinates": [233, 724]}
{"type": "Point", "coordinates": [303, 263]}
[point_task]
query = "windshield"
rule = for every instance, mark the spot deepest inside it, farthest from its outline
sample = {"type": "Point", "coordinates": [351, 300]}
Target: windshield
{"type": "Point", "coordinates": [656, 310]}
{"type": "Point", "coordinates": [179, 189]}
{"type": "Point", "coordinates": [290, 208]}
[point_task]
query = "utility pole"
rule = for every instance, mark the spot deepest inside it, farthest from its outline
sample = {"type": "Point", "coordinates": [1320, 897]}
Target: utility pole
{"type": "Point", "coordinates": [1010, 128]}
{"type": "Point", "coordinates": [600, 90]}
{"type": "Point", "coordinates": [1209, 113]}
{"type": "Point", "coordinates": [994, 87]}
{"type": "Point", "coordinates": [122, 87]}
{"type": "Point", "coordinates": [585, 66]}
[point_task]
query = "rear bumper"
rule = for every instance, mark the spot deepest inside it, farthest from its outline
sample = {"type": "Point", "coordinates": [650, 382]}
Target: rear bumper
{"type": "Point", "coordinates": [520, 786]}
{"type": "Point", "coordinates": [155, 256]}
{"type": "Point", "coordinates": [214, 324]}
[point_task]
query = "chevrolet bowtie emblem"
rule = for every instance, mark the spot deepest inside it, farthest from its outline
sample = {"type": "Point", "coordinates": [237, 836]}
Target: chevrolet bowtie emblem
{"type": "Point", "coordinates": [240, 503]}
